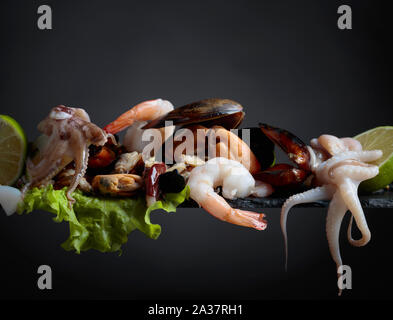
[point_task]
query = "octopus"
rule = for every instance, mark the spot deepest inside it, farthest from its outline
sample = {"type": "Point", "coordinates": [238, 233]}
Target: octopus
{"type": "Point", "coordinates": [338, 166]}
{"type": "Point", "coordinates": [68, 133]}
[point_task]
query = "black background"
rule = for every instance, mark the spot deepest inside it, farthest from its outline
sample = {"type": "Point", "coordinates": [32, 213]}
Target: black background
{"type": "Point", "coordinates": [286, 62]}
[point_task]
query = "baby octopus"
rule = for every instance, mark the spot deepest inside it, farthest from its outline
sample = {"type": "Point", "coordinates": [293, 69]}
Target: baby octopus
{"type": "Point", "coordinates": [69, 133]}
{"type": "Point", "coordinates": [339, 166]}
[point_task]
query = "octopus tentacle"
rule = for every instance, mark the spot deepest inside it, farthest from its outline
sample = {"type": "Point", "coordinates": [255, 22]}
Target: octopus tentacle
{"type": "Point", "coordinates": [319, 193]}
{"type": "Point", "coordinates": [349, 233]}
{"type": "Point", "coordinates": [357, 171]}
{"type": "Point", "coordinates": [47, 160]}
{"type": "Point", "coordinates": [351, 240]}
{"type": "Point", "coordinates": [354, 174]}
{"type": "Point", "coordinates": [331, 144]}
{"type": "Point", "coordinates": [80, 170]}
{"type": "Point", "coordinates": [51, 171]}
{"type": "Point", "coordinates": [368, 155]}
{"type": "Point", "coordinates": [348, 191]}
{"type": "Point", "coordinates": [352, 144]}
{"type": "Point", "coordinates": [50, 168]}
{"type": "Point", "coordinates": [335, 215]}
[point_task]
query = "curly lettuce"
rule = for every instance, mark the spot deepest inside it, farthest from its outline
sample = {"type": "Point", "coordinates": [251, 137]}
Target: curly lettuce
{"type": "Point", "coordinates": [99, 223]}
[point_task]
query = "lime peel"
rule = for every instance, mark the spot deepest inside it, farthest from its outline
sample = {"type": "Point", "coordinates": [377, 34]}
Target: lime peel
{"type": "Point", "coordinates": [13, 147]}
{"type": "Point", "coordinates": [379, 138]}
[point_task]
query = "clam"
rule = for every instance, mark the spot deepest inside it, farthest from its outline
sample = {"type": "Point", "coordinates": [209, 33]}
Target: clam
{"type": "Point", "coordinates": [222, 112]}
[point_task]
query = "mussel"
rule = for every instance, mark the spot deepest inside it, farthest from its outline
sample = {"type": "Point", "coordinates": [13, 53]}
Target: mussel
{"type": "Point", "coordinates": [260, 145]}
{"type": "Point", "coordinates": [286, 176]}
{"type": "Point", "coordinates": [171, 182]}
{"type": "Point", "coordinates": [221, 112]}
{"type": "Point", "coordinates": [292, 145]}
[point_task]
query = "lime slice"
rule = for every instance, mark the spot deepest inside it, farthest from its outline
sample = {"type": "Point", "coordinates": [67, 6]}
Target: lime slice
{"type": "Point", "coordinates": [378, 138]}
{"type": "Point", "coordinates": [13, 146]}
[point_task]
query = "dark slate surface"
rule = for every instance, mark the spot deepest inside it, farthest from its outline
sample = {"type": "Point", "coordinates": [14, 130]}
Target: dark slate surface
{"type": "Point", "coordinates": [380, 199]}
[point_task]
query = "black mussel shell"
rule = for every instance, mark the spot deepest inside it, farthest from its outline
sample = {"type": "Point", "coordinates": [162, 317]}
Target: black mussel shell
{"type": "Point", "coordinates": [292, 145]}
{"type": "Point", "coordinates": [261, 146]}
{"type": "Point", "coordinates": [223, 112]}
{"type": "Point", "coordinates": [171, 182]}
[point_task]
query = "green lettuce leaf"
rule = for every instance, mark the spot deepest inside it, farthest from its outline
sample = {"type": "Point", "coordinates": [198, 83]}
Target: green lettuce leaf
{"type": "Point", "coordinates": [97, 222]}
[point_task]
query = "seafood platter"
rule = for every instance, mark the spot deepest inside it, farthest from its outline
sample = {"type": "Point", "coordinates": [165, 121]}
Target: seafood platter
{"type": "Point", "coordinates": [106, 181]}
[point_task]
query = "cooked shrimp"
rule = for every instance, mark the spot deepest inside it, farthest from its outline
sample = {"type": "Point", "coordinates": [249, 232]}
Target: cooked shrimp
{"type": "Point", "coordinates": [262, 189]}
{"type": "Point", "coordinates": [221, 143]}
{"type": "Point", "coordinates": [144, 111]}
{"type": "Point", "coordinates": [236, 182]}
{"type": "Point", "coordinates": [136, 118]}
{"type": "Point", "coordinates": [232, 147]}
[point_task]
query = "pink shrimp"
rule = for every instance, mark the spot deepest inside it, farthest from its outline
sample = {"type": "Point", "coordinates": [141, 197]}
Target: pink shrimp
{"type": "Point", "coordinates": [236, 182]}
{"type": "Point", "coordinates": [144, 111]}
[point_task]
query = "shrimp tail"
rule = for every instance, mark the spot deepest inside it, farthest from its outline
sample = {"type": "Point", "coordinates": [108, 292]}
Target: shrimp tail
{"type": "Point", "coordinates": [122, 122]}
{"type": "Point", "coordinates": [219, 208]}
{"type": "Point", "coordinates": [250, 219]}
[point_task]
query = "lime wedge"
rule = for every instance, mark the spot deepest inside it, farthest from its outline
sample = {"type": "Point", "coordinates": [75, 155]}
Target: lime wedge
{"type": "Point", "coordinates": [13, 146]}
{"type": "Point", "coordinates": [378, 138]}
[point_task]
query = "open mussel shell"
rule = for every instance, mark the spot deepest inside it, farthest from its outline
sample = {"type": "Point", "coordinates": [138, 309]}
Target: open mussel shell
{"type": "Point", "coordinates": [222, 112]}
{"type": "Point", "coordinates": [292, 145]}
{"type": "Point", "coordinates": [282, 175]}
